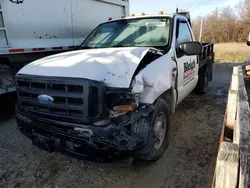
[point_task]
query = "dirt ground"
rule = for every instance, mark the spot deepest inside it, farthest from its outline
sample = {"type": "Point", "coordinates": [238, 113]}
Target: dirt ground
{"type": "Point", "coordinates": [189, 161]}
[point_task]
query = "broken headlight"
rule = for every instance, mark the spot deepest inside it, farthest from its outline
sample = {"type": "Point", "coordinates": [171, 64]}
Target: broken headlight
{"type": "Point", "coordinates": [117, 98]}
{"type": "Point", "coordinates": [121, 102]}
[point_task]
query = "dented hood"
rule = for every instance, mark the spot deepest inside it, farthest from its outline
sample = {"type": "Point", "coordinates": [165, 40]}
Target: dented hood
{"type": "Point", "coordinates": [113, 66]}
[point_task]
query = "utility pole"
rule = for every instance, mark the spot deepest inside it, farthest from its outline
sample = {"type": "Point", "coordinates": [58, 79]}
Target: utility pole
{"type": "Point", "coordinates": [201, 29]}
{"type": "Point", "coordinates": [177, 5]}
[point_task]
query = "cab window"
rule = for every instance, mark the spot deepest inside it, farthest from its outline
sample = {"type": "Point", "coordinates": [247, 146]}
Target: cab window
{"type": "Point", "coordinates": [183, 35]}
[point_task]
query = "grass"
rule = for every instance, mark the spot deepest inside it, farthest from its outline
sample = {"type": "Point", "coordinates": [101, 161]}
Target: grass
{"type": "Point", "coordinates": [231, 52]}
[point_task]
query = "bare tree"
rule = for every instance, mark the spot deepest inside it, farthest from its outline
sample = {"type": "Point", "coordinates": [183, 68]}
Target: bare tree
{"type": "Point", "coordinates": [239, 8]}
{"type": "Point", "coordinates": [229, 24]}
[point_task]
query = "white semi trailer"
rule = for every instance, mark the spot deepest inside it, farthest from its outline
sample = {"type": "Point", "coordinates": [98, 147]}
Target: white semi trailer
{"type": "Point", "coordinates": [31, 29]}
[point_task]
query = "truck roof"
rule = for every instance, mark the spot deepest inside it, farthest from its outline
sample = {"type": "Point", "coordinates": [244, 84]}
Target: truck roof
{"type": "Point", "coordinates": [185, 15]}
{"type": "Point", "coordinates": [148, 16]}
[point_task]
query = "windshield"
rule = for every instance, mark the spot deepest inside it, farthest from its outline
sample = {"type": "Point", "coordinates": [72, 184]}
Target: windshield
{"type": "Point", "coordinates": [130, 32]}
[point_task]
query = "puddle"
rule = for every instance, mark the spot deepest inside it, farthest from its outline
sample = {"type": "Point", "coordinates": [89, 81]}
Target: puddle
{"type": "Point", "coordinates": [220, 92]}
{"type": "Point", "coordinates": [221, 97]}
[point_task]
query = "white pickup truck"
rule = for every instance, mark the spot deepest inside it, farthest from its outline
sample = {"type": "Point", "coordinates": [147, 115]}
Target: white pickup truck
{"type": "Point", "coordinates": [117, 91]}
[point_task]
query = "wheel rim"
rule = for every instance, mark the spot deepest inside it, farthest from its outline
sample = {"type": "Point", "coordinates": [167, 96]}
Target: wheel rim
{"type": "Point", "coordinates": [159, 130]}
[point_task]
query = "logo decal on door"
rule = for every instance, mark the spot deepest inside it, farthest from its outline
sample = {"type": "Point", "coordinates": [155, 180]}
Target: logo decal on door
{"type": "Point", "coordinates": [189, 71]}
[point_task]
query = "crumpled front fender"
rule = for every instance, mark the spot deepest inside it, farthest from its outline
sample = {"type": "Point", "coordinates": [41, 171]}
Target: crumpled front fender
{"type": "Point", "coordinates": [157, 78]}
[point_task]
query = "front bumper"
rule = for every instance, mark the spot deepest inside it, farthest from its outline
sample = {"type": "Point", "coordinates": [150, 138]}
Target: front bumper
{"type": "Point", "coordinates": [73, 138]}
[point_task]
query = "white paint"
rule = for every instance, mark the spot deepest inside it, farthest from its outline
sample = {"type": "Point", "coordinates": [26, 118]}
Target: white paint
{"type": "Point", "coordinates": [157, 78]}
{"type": "Point", "coordinates": [138, 86]}
{"type": "Point", "coordinates": [113, 66]}
{"type": "Point", "coordinates": [47, 23]}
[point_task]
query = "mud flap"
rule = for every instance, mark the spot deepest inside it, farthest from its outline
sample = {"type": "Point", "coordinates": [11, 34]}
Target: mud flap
{"type": "Point", "coordinates": [210, 66]}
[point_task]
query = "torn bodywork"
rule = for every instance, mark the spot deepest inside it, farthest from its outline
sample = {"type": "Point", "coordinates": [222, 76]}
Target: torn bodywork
{"type": "Point", "coordinates": [150, 56]}
{"type": "Point", "coordinates": [124, 133]}
{"type": "Point", "coordinates": [151, 78]}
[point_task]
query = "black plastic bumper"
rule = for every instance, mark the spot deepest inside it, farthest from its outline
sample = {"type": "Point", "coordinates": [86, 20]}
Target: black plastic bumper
{"type": "Point", "coordinates": [73, 138]}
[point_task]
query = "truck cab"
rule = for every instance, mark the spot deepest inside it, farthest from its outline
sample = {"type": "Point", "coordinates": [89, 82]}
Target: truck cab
{"type": "Point", "coordinates": [118, 90]}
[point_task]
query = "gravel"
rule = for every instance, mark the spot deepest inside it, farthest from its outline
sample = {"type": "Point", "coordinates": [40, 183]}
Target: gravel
{"type": "Point", "coordinates": [188, 162]}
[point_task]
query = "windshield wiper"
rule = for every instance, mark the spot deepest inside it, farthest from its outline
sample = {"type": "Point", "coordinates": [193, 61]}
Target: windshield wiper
{"type": "Point", "coordinates": [118, 45]}
{"type": "Point", "coordinates": [86, 47]}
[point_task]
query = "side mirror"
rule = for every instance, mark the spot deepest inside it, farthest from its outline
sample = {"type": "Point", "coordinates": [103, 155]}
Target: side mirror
{"type": "Point", "coordinates": [191, 48]}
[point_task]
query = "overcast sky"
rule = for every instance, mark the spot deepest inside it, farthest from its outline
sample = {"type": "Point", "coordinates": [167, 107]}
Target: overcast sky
{"type": "Point", "coordinates": [196, 7]}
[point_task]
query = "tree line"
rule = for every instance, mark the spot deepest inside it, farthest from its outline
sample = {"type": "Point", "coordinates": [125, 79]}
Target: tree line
{"type": "Point", "coordinates": [229, 24]}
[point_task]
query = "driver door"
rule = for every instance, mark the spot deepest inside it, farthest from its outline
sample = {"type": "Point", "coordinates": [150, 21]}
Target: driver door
{"type": "Point", "coordinates": [187, 65]}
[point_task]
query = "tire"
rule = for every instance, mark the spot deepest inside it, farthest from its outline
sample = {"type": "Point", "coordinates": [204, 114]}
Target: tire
{"type": "Point", "coordinates": [6, 74]}
{"type": "Point", "coordinates": [202, 85]}
{"type": "Point", "coordinates": [7, 100]}
{"type": "Point", "coordinates": [157, 141]}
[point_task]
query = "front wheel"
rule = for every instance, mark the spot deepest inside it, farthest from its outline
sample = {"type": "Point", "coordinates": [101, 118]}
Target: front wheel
{"type": "Point", "coordinates": [158, 133]}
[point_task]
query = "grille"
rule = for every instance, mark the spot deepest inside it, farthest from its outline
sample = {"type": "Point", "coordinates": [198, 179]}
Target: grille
{"type": "Point", "coordinates": [75, 100]}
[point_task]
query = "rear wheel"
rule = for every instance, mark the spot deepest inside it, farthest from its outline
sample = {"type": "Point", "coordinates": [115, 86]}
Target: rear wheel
{"type": "Point", "coordinates": [202, 85]}
{"type": "Point", "coordinates": [157, 141]}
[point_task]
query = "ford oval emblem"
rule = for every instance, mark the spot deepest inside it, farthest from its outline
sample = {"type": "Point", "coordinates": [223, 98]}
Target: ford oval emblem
{"type": "Point", "coordinates": [45, 99]}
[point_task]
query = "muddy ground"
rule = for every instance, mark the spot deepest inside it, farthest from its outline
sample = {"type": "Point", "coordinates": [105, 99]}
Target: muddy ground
{"type": "Point", "coordinates": [188, 162]}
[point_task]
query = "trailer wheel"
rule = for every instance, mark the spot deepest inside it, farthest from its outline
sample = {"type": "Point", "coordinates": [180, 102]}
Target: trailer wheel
{"type": "Point", "coordinates": [7, 100]}
{"type": "Point", "coordinates": [157, 141]}
{"type": "Point", "coordinates": [6, 74]}
{"type": "Point", "coordinates": [202, 85]}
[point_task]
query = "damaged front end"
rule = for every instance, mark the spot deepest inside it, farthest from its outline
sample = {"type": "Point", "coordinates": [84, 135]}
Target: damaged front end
{"type": "Point", "coordinates": [123, 128]}
{"type": "Point", "coordinates": [84, 112]}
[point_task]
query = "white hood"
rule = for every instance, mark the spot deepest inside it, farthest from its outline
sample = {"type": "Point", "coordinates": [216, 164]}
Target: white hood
{"type": "Point", "coordinates": [113, 66]}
